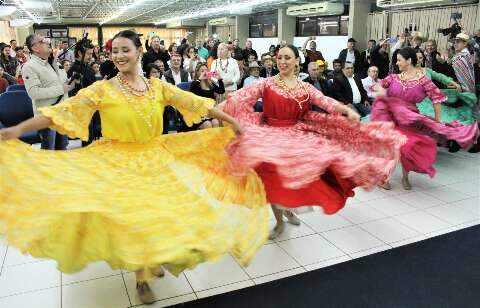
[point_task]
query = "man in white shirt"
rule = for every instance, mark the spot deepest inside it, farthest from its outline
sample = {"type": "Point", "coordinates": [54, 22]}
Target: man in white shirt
{"type": "Point", "coordinates": [371, 79]}
{"type": "Point", "coordinates": [227, 68]}
{"type": "Point", "coordinates": [349, 90]}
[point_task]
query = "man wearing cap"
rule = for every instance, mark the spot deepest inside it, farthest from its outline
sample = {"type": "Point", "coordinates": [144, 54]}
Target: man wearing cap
{"type": "Point", "coordinates": [462, 63]}
{"type": "Point", "coordinates": [268, 70]}
{"type": "Point", "coordinates": [352, 55]}
{"type": "Point", "coordinates": [254, 74]}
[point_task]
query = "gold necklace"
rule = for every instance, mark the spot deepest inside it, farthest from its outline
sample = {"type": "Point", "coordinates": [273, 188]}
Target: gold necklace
{"type": "Point", "coordinates": [132, 90]}
{"type": "Point", "coordinates": [282, 83]}
{"type": "Point", "coordinates": [147, 118]}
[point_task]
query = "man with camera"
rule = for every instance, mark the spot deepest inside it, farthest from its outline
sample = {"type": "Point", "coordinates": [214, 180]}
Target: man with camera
{"type": "Point", "coordinates": [46, 84]}
{"type": "Point", "coordinates": [82, 75]}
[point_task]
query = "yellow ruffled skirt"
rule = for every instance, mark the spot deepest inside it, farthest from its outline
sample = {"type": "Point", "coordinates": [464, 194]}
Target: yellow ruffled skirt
{"type": "Point", "coordinates": [136, 206]}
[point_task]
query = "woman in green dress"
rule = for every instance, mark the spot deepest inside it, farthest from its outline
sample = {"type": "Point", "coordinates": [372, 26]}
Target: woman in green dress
{"type": "Point", "coordinates": [460, 105]}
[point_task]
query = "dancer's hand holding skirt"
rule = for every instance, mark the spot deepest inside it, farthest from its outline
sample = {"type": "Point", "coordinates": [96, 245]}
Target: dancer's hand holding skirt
{"type": "Point", "coordinates": [136, 199]}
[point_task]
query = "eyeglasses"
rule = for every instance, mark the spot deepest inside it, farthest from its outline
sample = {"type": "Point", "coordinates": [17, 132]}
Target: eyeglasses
{"type": "Point", "coordinates": [45, 41]}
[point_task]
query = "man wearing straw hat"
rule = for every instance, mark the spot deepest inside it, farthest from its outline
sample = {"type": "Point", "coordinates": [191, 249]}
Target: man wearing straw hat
{"type": "Point", "coordinates": [462, 63]}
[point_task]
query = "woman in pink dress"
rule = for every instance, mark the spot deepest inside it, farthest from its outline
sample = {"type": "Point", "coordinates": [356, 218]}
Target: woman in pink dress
{"type": "Point", "coordinates": [305, 157]}
{"type": "Point", "coordinates": [398, 104]}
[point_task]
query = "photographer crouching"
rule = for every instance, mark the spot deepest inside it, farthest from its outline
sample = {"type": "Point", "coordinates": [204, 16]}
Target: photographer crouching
{"type": "Point", "coordinates": [82, 75]}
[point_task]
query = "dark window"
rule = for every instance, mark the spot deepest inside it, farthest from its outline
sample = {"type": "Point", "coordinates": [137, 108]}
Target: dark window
{"type": "Point", "coordinates": [318, 26]}
{"type": "Point", "coordinates": [264, 24]}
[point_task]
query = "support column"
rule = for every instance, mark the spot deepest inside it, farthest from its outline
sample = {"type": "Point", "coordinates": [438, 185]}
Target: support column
{"type": "Point", "coordinates": [21, 34]}
{"type": "Point", "coordinates": [357, 17]}
{"type": "Point", "coordinates": [286, 26]}
{"type": "Point", "coordinates": [242, 29]}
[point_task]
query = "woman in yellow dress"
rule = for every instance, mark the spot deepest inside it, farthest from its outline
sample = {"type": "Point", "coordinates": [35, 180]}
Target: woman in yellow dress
{"type": "Point", "coordinates": [136, 199]}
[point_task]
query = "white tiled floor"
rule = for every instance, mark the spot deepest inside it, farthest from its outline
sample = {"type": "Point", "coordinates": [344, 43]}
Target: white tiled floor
{"type": "Point", "coordinates": [371, 222]}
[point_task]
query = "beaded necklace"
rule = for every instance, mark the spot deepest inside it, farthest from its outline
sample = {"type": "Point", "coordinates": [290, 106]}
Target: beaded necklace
{"type": "Point", "coordinates": [284, 86]}
{"type": "Point", "coordinates": [149, 92]}
{"type": "Point", "coordinates": [224, 69]}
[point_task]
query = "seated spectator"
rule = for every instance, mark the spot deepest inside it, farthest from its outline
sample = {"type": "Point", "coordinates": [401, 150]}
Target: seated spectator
{"type": "Point", "coordinates": [248, 51]}
{"type": "Point", "coordinates": [349, 90]}
{"type": "Point", "coordinates": [254, 74]}
{"type": "Point", "coordinates": [153, 71]}
{"type": "Point", "coordinates": [268, 69]}
{"type": "Point", "coordinates": [3, 82]}
{"type": "Point", "coordinates": [371, 79]}
{"type": "Point", "coordinates": [8, 63]}
{"type": "Point", "coordinates": [337, 69]}
{"type": "Point", "coordinates": [18, 75]}
{"type": "Point", "coordinates": [316, 80]}
{"type": "Point", "coordinates": [176, 74]}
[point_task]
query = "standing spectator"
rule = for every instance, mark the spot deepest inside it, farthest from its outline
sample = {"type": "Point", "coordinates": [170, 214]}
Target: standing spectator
{"type": "Point", "coordinates": [8, 63]}
{"type": "Point", "coordinates": [190, 60]}
{"type": "Point", "coordinates": [311, 54]}
{"type": "Point", "coordinates": [268, 70]}
{"type": "Point", "coordinates": [205, 85]}
{"type": "Point", "coordinates": [227, 68]}
{"type": "Point", "coordinates": [248, 51]}
{"type": "Point", "coordinates": [63, 53]}
{"type": "Point", "coordinates": [237, 52]}
{"type": "Point", "coordinates": [102, 58]}
{"type": "Point", "coordinates": [463, 63]}
{"type": "Point", "coordinates": [352, 55]}
{"type": "Point", "coordinates": [13, 47]}
{"type": "Point", "coordinates": [96, 69]}
{"type": "Point", "coordinates": [3, 82]}
{"type": "Point", "coordinates": [156, 52]}
{"type": "Point", "coordinates": [46, 85]}
{"type": "Point", "coordinates": [431, 53]}
{"type": "Point", "coordinates": [66, 65]}
{"type": "Point", "coordinates": [366, 56]}
{"type": "Point", "coordinates": [349, 90]}
{"type": "Point", "coordinates": [379, 58]}
{"type": "Point", "coordinates": [202, 51]}
{"type": "Point", "coordinates": [368, 81]}
{"type": "Point", "coordinates": [96, 53]}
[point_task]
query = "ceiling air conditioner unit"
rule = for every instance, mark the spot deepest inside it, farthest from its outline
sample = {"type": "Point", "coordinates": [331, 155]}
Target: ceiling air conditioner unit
{"type": "Point", "coordinates": [316, 9]}
{"type": "Point", "coordinates": [386, 4]}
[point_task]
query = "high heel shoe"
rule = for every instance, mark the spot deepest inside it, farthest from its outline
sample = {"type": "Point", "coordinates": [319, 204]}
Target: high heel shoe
{"type": "Point", "coordinates": [292, 218]}
{"type": "Point", "coordinates": [453, 146]}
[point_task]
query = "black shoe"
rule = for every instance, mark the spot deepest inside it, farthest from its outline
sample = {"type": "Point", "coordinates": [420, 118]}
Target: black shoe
{"type": "Point", "coordinates": [453, 146]}
{"type": "Point", "coordinates": [475, 148]}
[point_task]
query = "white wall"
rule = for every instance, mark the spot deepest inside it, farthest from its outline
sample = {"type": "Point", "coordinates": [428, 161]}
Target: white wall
{"type": "Point", "coordinates": [261, 45]}
{"type": "Point", "coordinates": [329, 46]}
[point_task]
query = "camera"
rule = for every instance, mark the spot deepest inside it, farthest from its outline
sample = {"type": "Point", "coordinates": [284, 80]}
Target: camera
{"type": "Point", "coordinates": [455, 28]}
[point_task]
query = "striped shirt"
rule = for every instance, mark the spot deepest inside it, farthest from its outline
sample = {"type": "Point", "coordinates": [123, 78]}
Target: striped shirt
{"type": "Point", "coordinates": [462, 64]}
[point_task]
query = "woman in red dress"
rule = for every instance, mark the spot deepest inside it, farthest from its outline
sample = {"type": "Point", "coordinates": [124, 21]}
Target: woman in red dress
{"type": "Point", "coordinates": [306, 157]}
